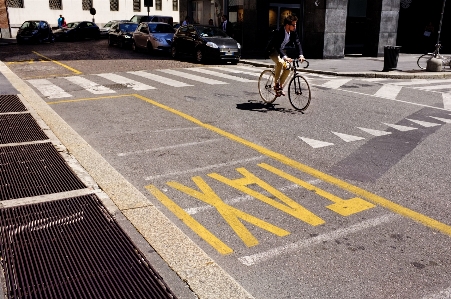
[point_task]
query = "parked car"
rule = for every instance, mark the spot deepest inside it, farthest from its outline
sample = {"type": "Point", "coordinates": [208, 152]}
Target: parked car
{"type": "Point", "coordinates": [205, 43]}
{"type": "Point", "coordinates": [77, 31]}
{"type": "Point", "coordinates": [155, 18]}
{"type": "Point", "coordinates": [35, 32]}
{"type": "Point", "coordinates": [153, 36]}
{"type": "Point", "coordinates": [121, 33]}
{"type": "Point", "coordinates": [106, 28]}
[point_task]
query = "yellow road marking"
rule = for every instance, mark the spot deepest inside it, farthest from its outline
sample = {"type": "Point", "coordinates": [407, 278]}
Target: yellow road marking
{"type": "Point", "coordinates": [230, 214]}
{"type": "Point", "coordinates": [290, 207]}
{"type": "Point", "coordinates": [376, 199]}
{"type": "Point", "coordinates": [59, 63]}
{"type": "Point", "coordinates": [189, 221]}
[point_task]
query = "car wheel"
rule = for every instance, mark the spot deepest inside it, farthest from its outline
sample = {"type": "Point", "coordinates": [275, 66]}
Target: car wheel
{"type": "Point", "coordinates": [134, 48]}
{"type": "Point", "coordinates": [174, 52]}
{"type": "Point", "coordinates": [110, 43]}
{"type": "Point", "coordinates": [150, 49]}
{"type": "Point", "coordinates": [122, 44]}
{"type": "Point", "coordinates": [199, 56]}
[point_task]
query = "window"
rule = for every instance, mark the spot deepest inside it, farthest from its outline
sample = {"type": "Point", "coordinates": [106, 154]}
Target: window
{"type": "Point", "coordinates": [114, 5]}
{"type": "Point", "coordinates": [14, 3]}
{"type": "Point", "coordinates": [136, 5]}
{"type": "Point", "coordinates": [157, 4]}
{"type": "Point", "coordinates": [175, 5]}
{"type": "Point", "coordinates": [86, 4]}
{"type": "Point", "coordinates": [55, 4]}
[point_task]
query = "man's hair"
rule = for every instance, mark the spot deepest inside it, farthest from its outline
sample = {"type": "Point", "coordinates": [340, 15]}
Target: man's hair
{"type": "Point", "coordinates": [290, 19]}
{"type": "Point", "coordinates": [225, 17]}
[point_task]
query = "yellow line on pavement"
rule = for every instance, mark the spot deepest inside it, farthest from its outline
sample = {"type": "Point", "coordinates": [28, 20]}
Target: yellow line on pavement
{"type": "Point", "coordinates": [59, 63]}
{"type": "Point", "coordinates": [376, 199]}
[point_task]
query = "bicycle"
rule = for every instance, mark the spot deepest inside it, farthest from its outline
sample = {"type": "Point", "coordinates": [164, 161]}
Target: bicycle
{"type": "Point", "coordinates": [299, 92]}
{"type": "Point", "coordinates": [423, 59]}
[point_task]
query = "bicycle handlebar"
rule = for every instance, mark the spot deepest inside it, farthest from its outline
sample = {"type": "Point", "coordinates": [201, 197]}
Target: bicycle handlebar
{"type": "Point", "coordinates": [295, 63]}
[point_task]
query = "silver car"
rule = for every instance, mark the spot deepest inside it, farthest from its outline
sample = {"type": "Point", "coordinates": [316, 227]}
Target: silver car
{"type": "Point", "coordinates": [153, 36]}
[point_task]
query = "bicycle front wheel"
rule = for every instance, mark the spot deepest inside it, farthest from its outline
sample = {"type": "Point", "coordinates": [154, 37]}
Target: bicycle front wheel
{"type": "Point", "coordinates": [266, 86]}
{"type": "Point", "coordinates": [423, 61]}
{"type": "Point", "coordinates": [299, 93]}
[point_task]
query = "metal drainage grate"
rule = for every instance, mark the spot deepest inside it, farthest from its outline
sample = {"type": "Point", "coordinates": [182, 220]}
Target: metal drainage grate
{"type": "Point", "coordinates": [34, 169]}
{"type": "Point", "coordinates": [11, 103]}
{"type": "Point", "coordinates": [15, 128]}
{"type": "Point", "coordinates": [73, 248]}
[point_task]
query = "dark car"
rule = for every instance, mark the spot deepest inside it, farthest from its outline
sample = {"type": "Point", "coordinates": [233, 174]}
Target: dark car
{"type": "Point", "coordinates": [106, 28]}
{"type": "Point", "coordinates": [205, 43]}
{"type": "Point", "coordinates": [35, 32]}
{"type": "Point", "coordinates": [153, 36]}
{"type": "Point", "coordinates": [155, 18]}
{"type": "Point", "coordinates": [77, 31]}
{"type": "Point", "coordinates": [121, 33]}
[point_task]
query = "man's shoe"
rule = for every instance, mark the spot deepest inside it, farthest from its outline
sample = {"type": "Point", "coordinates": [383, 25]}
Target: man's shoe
{"type": "Point", "coordinates": [279, 90]}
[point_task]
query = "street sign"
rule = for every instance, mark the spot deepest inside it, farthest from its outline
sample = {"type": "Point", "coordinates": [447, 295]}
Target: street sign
{"type": "Point", "coordinates": [148, 3]}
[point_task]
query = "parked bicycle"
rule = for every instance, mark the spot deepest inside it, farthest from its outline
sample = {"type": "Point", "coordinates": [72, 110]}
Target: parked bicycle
{"type": "Point", "coordinates": [299, 92]}
{"type": "Point", "coordinates": [423, 59]}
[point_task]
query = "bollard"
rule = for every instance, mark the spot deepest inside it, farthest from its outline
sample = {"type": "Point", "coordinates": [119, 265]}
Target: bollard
{"type": "Point", "coordinates": [434, 65]}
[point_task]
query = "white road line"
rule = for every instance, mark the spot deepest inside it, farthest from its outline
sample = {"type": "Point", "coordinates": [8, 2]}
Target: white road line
{"type": "Point", "coordinates": [221, 75]}
{"type": "Point", "coordinates": [446, 101]}
{"type": "Point", "coordinates": [445, 294]}
{"type": "Point", "coordinates": [135, 85]}
{"type": "Point", "coordinates": [250, 68]}
{"type": "Point", "coordinates": [315, 143]}
{"type": "Point", "coordinates": [400, 128]}
{"type": "Point", "coordinates": [90, 86]}
{"type": "Point", "coordinates": [419, 82]}
{"type": "Point", "coordinates": [244, 198]}
{"type": "Point", "coordinates": [257, 258]}
{"type": "Point", "coordinates": [373, 79]}
{"type": "Point", "coordinates": [160, 79]}
{"type": "Point", "coordinates": [167, 147]}
{"type": "Point", "coordinates": [204, 168]}
{"type": "Point", "coordinates": [233, 71]}
{"type": "Point", "coordinates": [193, 77]}
{"type": "Point", "coordinates": [348, 138]}
{"type": "Point", "coordinates": [48, 89]}
{"type": "Point", "coordinates": [424, 123]}
{"type": "Point", "coordinates": [388, 91]}
{"type": "Point", "coordinates": [434, 87]}
{"type": "Point", "coordinates": [374, 132]}
{"type": "Point", "coordinates": [336, 83]}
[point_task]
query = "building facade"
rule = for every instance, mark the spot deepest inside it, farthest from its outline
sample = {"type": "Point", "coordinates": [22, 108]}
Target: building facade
{"type": "Point", "coordinates": [14, 12]}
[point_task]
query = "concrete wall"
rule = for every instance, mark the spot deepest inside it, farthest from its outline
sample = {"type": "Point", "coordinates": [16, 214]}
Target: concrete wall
{"type": "Point", "coordinates": [389, 24]}
{"type": "Point", "coordinates": [72, 11]}
{"type": "Point", "coordinates": [335, 28]}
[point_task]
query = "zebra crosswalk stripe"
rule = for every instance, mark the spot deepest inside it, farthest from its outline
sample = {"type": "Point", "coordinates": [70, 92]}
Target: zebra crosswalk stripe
{"type": "Point", "coordinates": [217, 74]}
{"type": "Point", "coordinates": [160, 79]}
{"type": "Point", "coordinates": [135, 85]}
{"type": "Point", "coordinates": [193, 77]}
{"type": "Point", "coordinates": [446, 101]}
{"type": "Point", "coordinates": [48, 89]}
{"type": "Point", "coordinates": [388, 91]}
{"type": "Point", "coordinates": [233, 71]}
{"type": "Point", "coordinates": [90, 86]}
{"type": "Point", "coordinates": [337, 83]}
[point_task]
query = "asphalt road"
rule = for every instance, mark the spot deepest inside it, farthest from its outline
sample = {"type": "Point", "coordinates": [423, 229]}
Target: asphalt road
{"type": "Point", "coordinates": [349, 199]}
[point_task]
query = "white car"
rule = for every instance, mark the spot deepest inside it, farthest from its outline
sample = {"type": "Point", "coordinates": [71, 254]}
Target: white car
{"type": "Point", "coordinates": [106, 28]}
{"type": "Point", "coordinates": [153, 36]}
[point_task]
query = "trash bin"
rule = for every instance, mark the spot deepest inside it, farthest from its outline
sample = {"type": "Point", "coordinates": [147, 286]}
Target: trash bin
{"type": "Point", "coordinates": [391, 54]}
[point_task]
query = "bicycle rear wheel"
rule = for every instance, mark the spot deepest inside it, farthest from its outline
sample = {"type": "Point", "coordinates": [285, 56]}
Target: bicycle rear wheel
{"type": "Point", "coordinates": [423, 61]}
{"type": "Point", "coordinates": [266, 86]}
{"type": "Point", "coordinates": [299, 93]}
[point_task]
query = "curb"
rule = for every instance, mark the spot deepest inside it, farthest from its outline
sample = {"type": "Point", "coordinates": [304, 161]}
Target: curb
{"type": "Point", "coordinates": [392, 74]}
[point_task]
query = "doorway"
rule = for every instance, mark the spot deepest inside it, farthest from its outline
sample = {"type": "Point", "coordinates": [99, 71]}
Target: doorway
{"type": "Point", "coordinates": [355, 27]}
{"type": "Point", "coordinates": [278, 12]}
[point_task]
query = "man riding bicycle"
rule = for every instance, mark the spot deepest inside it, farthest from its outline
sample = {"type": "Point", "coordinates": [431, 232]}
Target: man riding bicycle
{"type": "Point", "coordinates": [276, 49]}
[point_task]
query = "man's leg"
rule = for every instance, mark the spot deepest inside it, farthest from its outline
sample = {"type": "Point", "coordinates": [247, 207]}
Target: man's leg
{"type": "Point", "coordinates": [277, 70]}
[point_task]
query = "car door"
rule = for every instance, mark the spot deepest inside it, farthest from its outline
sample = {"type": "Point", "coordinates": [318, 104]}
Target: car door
{"type": "Point", "coordinates": [113, 33]}
{"type": "Point", "coordinates": [180, 39]}
{"type": "Point", "coordinates": [191, 40]}
{"type": "Point", "coordinates": [144, 33]}
{"type": "Point", "coordinates": [91, 30]}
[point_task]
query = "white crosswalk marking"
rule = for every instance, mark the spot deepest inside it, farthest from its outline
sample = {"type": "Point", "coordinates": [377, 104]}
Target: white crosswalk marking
{"type": "Point", "coordinates": [250, 68]}
{"type": "Point", "coordinates": [388, 91]}
{"type": "Point", "coordinates": [135, 85]}
{"type": "Point", "coordinates": [337, 83]}
{"type": "Point", "coordinates": [434, 87]}
{"type": "Point", "coordinates": [160, 79]}
{"type": "Point", "coordinates": [445, 120]}
{"type": "Point", "coordinates": [315, 143]}
{"type": "Point", "coordinates": [193, 77]}
{"type": "Point", "coordinates": [374, 132]}
{"type": "Point", "coordinates": [446, 101]}
{"type": "Point", "coordinates": [348, 138]}
{"type": "Point", "coordinates": [48, 89]}
{"type": "Point", "coordinates": [423, 123]}
{"type": "Point", "coordinates": [90, 86]}
{"type": "Point", "coordinates": [400, 128]}
{"type": "Point", "coordinates": [233, 71]}
{"type": "Point", "coordinates": [419, 82]}
{"type": "Point", "coordinates": [217, 74]}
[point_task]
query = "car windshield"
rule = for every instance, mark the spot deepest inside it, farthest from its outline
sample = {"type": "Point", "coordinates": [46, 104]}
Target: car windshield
{"type": "Point", "coordinates": [161, 28]}
{"type": "Point", "coordinates": [72, 25]}
{"type": "Point", "coordinates": [108, 25]}
{"type": "Point", "coordinates": [30, 24]}
{"type": "Point", "coordinates": [210, 32]}
{"type": "Point", "coordinates": [129, 27]}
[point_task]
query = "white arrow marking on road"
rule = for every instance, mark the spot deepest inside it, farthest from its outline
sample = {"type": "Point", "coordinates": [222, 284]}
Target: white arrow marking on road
{"type": "Point", "coordinates": [315, 143]}
{"type": "Point", "coordinates": [160, 79]}
{"type": "Point", "coordinates": [90, 86]}
{"type": "Point", "coordinates": [135, 85]}
{"type": "Point", "coordinates": [423, 123]}
{"type": "Point", "coordinates": [388, 91]}
{"type": "Point", "coordinates": [193, 77]}
{"type": "Point", "coordinates": [446, 101]}
{"type": "Point", "coordinates": [400, 128]}
{"type": "Point", "coordinates": [348, 138]}
{"type": "Point", "coordinates": [445, 120]}
{"type": "Point", "coordinates": [48, 89]}
{"type": "Point", "coordinates": [374, 132]}
{"type": "Point", "coordinates": [225, 76]}
{"type": "Point", "coordinates": [334, 84]}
